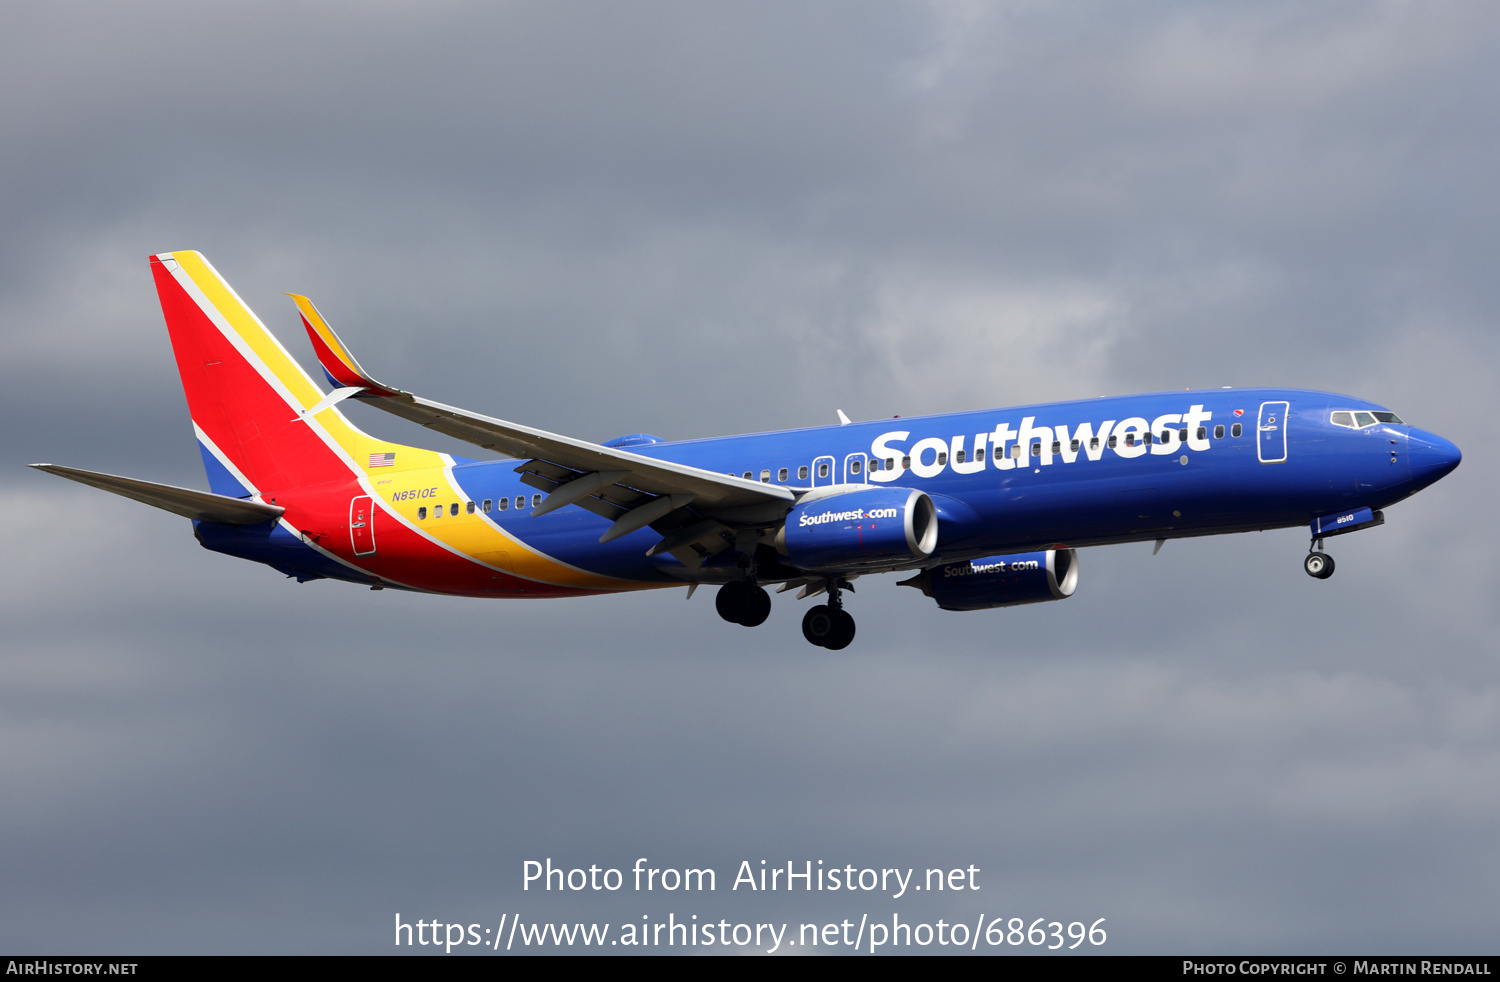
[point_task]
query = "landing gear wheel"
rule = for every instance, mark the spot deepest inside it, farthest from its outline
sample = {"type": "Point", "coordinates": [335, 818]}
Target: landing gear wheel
{"type": "Point", "coordinates": [739, 602]}
{"type": "Point", "coordinates": [1318, 565]}
{"type": "Point", "coordinates": [733, 601]}
{"type": "Point", "coordinates": [819, 624]}
{"type": "Point", "coordinates": [828, 627]}
{"type": "Point", "coordinates": [843, 631]}
{"type": "Point", "coordinates": [757, 607]}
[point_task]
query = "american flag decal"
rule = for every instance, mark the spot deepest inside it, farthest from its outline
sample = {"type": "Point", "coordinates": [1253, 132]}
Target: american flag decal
{"type": "Point", "coordinates": [382, 459]}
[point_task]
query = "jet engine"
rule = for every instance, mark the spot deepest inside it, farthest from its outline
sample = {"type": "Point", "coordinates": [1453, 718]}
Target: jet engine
{"type": "Point", "coordinates": [859, 527]}
{"type": "Point", "coordinates": [1000, 581]}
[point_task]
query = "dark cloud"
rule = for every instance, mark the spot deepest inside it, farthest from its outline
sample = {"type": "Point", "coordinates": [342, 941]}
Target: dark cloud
{"type": "Point", "coordinates": [695, 219]}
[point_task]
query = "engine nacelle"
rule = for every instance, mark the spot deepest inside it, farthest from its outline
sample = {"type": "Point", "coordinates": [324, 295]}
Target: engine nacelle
{"type": "Point", "coordinates": [1001, 581]}
{"type": "Point", "coordinates": [859, 527]}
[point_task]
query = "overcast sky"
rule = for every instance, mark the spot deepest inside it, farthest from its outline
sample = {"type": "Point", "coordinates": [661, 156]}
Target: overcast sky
{"type": "Point", "coordinates": [701, 218]}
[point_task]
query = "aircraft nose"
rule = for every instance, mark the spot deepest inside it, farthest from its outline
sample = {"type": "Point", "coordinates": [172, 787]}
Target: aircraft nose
{"type": "Point", "coordinates": [1431, 457]}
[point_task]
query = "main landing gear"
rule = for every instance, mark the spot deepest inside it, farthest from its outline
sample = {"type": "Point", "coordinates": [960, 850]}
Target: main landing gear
{"type": "Point", "coordinates": [1318, 563]}
{"type": "Point", "coordinates": [829, 625]}
{"type": "Point", "coordinates": [826, 625]}
{"type": "Point", "coordinates": [743, 602]}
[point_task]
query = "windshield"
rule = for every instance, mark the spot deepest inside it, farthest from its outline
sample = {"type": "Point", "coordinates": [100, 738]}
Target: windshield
{"type": "Point", "coordinates": [1359, 420]}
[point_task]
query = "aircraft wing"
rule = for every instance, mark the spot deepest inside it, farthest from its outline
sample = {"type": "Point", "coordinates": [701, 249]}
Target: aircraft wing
{"type": "Point", "coordinates": [201, 506]}
{"type": "Point", "coordinates": [611, 482]}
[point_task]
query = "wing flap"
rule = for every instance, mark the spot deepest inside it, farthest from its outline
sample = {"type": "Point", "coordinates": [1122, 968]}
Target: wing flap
{"type": "Point", "coordinates": [202, 506]}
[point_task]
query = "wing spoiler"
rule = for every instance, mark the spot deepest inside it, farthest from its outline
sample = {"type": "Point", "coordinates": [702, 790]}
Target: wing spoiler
{"type": "Point", "coordinates": [200, 506]}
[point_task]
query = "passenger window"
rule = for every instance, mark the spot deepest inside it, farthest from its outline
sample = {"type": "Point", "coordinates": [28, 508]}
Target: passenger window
{"type": "Point", "coordinates": [536, 499]}
{"type": "Point", "coordinates": [421, 514]}
{"type": "Point", "coordinates": [856, 466]}
{"type": "Point", "coordinates": [520, 501]}
{"type": "Point", "coordinates": [1236, 430]}
{"type": "Point", "coordinates": [469, 507]}
{"type": "Point", "coordinates": [1202, 433]}
{"type": "Point", "coordinates": [942, 459]}
{"type": "Point", "coordinates": [890, 463]}
{"type": "Point", "coordinates": [1129, 439]}
{"type": "Point", "coordinates": [765, 477]}
{"type": "Point", "coordinates": [1219, 432]}
{"type": "Point", "coordinates": [1094, 443]}
{"type": "Point", "coordinates": [1073, 446]}
{"type": "Point", "coordinates": [979, 455]}
{"type": "Point", "coordinates": [1182, 435]}
{"type": "Point", "coordinates": [874, 464]}
{"type": "Point", "coordinates": [1057, 446]}
{"type": "Point", "coordinates": [486, 505]}
{"type": "Point", "coordinates": [802, 473]}
{"type": "Point", "coordinates": [1036, 449]}
{"type": "Point", "coordinates": [1015, 451]}
{"type": "Point", "coordinates": [958, 458]}
{"type": "Point", "coordinates": [906, 462]}
{"type": "Point", "coordinates": [1146, 437]}
{"type": "Point", "coordinates": [781, 475]}
{"type": "Point", "coordinates": [504, 504]}
{"type": "Point", "coordinates": [1112, 441]}
{"type": "Point", "coordinates": [453, 509]}
{"type": "Point", "coordinates": [748, 475]}
{"type": "Point", "coordinates": [822, 470]}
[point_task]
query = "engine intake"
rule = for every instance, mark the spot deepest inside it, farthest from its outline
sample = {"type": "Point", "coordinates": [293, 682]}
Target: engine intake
{"type": "Point", "coordinates": [1000, 581]}
{"type": "Point", "coordinates": [859, 527]}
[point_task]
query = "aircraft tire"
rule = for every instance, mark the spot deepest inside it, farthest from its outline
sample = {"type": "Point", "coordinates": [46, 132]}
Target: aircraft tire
{"type": "Point", "coordinates": [733, 601]}
{"type": "Point", "coordinates": [1319, 565]}
{"type": "Point", "coordinates": [757, 607]}
{"type": "Point", "coordinates": [819, 625]}
{"type": "Point", "coordinates": [843, 631]}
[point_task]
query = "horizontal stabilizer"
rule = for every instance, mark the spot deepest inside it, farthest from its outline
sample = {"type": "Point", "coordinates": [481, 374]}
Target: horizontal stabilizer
{"type": "Point", "coordinates": [198, 505]}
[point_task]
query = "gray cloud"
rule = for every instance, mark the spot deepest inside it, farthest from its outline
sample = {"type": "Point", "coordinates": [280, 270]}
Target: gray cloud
{"type": "Point", "coordinates": [698, 219]}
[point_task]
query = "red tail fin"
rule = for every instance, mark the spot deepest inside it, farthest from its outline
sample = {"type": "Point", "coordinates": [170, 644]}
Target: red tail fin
{"type": "Point", "coordinates": [247, 395]}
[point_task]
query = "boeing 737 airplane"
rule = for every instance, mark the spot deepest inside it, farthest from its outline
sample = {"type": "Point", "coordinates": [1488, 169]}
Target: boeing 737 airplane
{"type": "Point", "coordinates": [984, 509]}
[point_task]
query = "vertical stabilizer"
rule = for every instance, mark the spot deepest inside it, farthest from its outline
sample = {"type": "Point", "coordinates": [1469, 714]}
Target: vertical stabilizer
{"type": "Point", "coordinates": [248, 397]}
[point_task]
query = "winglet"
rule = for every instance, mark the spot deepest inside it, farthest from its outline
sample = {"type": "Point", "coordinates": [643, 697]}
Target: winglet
{"type": "Point", "coordinates": [338, 364]}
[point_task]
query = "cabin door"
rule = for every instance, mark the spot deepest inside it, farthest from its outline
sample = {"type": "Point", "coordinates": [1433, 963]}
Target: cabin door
{"type": "Point", "coordinates": [362, 525]}
{"type": "Point", "coordinates": [1271, 432]}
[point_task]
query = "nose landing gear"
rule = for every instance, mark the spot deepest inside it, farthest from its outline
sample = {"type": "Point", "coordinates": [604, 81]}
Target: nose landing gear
{"type": "Point", "coordinates": [829, 625]}
{"type": "Point", "coordinates": [1318, 564]}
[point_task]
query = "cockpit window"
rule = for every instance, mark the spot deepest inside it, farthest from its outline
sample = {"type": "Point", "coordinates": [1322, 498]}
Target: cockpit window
{"type": "Point", "coordinates": [1359, 420]}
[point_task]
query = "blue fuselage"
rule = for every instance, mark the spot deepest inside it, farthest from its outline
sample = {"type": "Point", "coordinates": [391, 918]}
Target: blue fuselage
{"type": "Point", "coordinates": [1108, 470]}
